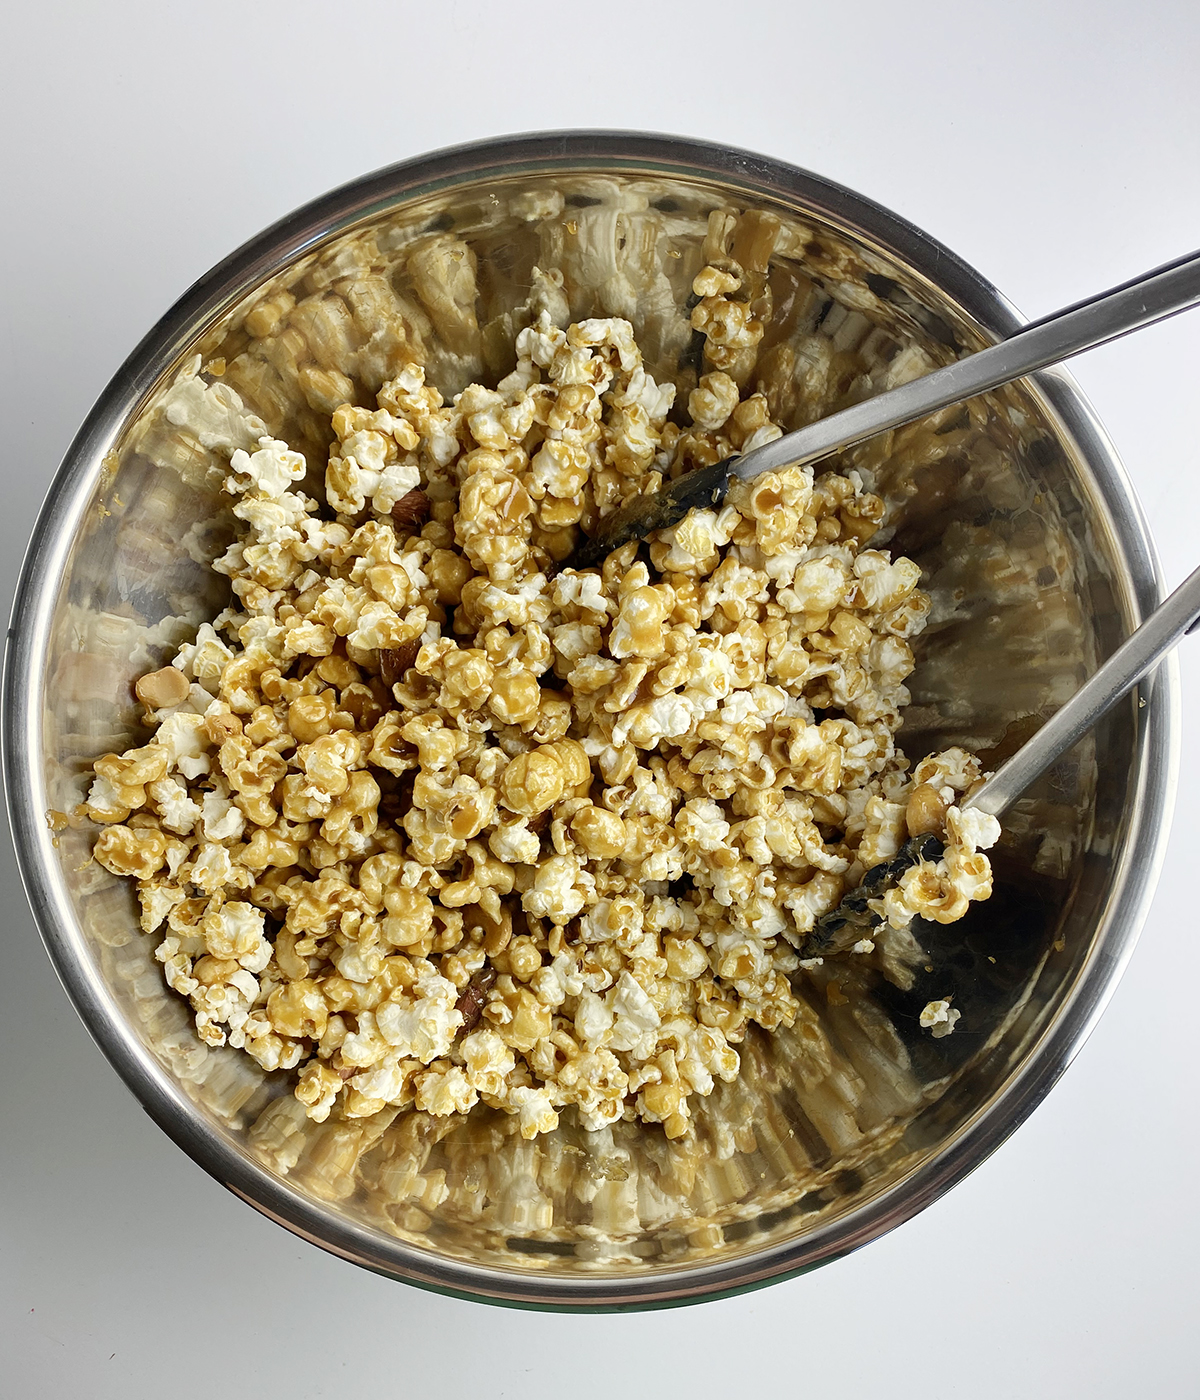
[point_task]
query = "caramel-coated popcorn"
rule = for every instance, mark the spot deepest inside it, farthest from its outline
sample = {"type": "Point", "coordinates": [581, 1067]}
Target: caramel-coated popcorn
{"type": "Point", "coordinates": [435, 823]}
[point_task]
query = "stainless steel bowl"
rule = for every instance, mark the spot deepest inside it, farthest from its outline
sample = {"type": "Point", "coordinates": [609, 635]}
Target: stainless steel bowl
{"type": "Point", "coordinates": [1039, 562]}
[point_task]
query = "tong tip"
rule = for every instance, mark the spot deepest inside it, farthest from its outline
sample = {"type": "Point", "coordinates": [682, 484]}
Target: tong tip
{"type": "Point", "coordinates": [646, 512]}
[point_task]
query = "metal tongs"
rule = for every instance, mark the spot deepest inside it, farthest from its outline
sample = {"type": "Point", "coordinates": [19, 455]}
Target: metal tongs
{"type": "Point", "coordinates": [1165, 626]}
{"type": "Point", "coordinates": [1164, 291]}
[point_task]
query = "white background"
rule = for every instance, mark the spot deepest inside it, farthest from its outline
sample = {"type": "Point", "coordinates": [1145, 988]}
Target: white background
{"type": "Point", "coordinates": [1054, 145]}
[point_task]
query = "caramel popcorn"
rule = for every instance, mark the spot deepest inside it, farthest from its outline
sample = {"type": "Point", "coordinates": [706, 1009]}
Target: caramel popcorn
{"type": "Point", "coordinates": [939, 1018]}
{"type": "Point", "coordinates": [434, 823]}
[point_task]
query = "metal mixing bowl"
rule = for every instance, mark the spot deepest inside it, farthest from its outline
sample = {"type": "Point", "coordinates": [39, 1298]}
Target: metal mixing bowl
{"type": "Point", "coordinates": [1039, 563]}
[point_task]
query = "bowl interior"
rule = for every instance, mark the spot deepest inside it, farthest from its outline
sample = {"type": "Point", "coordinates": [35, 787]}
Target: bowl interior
{"type": "Point", "coordinates": [830, 1120]}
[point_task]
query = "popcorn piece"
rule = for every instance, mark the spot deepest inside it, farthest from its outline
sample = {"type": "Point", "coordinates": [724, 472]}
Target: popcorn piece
{"type": "Point", "coordinates": [127, 852]}
{"type": "Point", "coordinates": [422, 1026]}
{"type": "Point", "coordinates": [535, 1110]}
{"type": "Point", "coordinates": [634, 1016]}
{"type": "Point", "coordinates": [445, 1091]}
{"type": "Point", "coordinates": [716, 396]}
{"type": "Point", "coordinates": [488, 1061]}
{"type": "Point", "coordinates": [939, 1018]}
{"type": "Point", "coordinates": [236, 931]}
{"type": "Point", "coordinates": [267, 472]}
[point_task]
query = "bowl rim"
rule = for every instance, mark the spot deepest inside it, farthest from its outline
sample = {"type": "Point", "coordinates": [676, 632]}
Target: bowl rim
{"type": "Point", "coordinates": [312, 225]}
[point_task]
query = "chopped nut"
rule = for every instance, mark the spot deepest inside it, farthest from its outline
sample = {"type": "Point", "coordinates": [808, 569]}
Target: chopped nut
{"type": "Point", "coordinates": [395, 661]}
{"type": "Point", "coordinates": [926, 811]}
{"type": "Point", "coordinates": [160, 689]}
{"type": "Point", "coordinates": [470, 1004]}
{"type": "Point", "coordinates": [412, 509]}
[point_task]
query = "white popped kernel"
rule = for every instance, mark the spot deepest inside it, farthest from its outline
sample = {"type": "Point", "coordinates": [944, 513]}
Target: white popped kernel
{"type": "Point", "coordinates": [634, 1016]}
{"type": "Point", "coordinates": [184, 738]}
{"type": "Point", "coordinates": [269, 471]}
{"type": "Point", "coordinates": [424, 1026]}
{"type": "Point", "coordinates": [940, 1018]}
{"type": "Point", "coordinates": [972, 828]}
{"type": "Point", "coordinates": [535, 1110]}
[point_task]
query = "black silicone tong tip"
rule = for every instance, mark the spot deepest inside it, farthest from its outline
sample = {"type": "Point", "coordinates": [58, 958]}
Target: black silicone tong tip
{"type": "Point", "coordinates": [644, 513]}
{"type": "Point", "coordinates": [853, 919]}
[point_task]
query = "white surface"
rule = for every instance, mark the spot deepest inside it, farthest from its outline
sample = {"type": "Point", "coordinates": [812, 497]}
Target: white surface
{"type": "Point", "coordinates": [1053, 145]}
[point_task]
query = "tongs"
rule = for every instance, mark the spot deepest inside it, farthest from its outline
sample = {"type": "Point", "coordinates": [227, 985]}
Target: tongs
{"type": "Point", "coordinates": [1167, 624]}
{"type": "Point", "coordinates": [1164, 291]}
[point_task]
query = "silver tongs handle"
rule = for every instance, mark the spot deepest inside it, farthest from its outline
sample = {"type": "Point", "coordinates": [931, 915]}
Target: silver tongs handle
{"type": "Point", "coordinates": [1123, 669]}
{"type": "Point", "coordinates": [1154, 296]}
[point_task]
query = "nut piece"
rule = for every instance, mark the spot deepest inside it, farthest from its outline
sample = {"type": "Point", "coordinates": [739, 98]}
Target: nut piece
{"type": "Point", "coordinates": [394, 661]}
{"type": "Point", "coordinates": [160, 689]}
{"type": "Point", "coordinates": [412, 509]}
{"type": "Point", "coordinates": [926, 811]}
